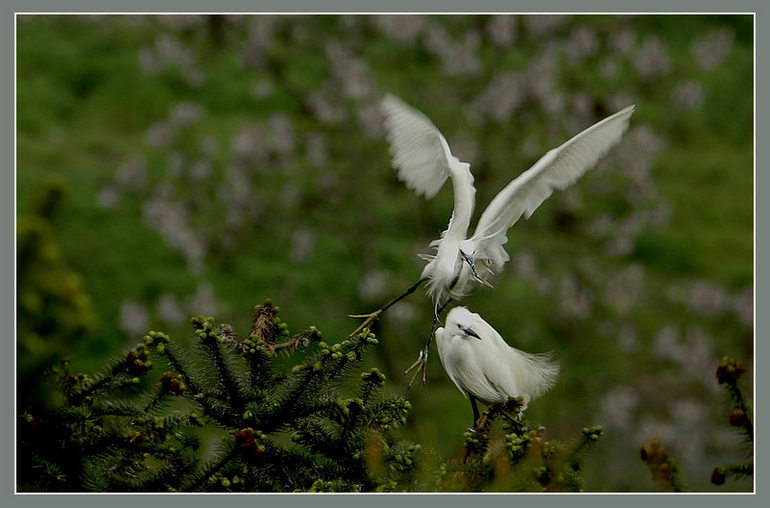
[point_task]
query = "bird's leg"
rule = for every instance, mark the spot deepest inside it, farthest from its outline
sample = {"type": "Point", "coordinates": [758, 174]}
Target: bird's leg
{"type": "Point", "coordinates": [422, 363]}
{"type": "Point", "coordinates": [481, 423]}
{"type": "Point", "coordinates": [475, 427]}
{"type": "Point", "coordinates": [475, 408]}
{"type": "Point", "coordinates": [422, 358]}
{"type": "Point", "coordinates": [373, 316]}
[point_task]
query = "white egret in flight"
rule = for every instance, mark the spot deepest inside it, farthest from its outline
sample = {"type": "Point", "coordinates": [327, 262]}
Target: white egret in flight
{"type": "Point", "coordinates": [485, 368]}
{"type": "Point", "coordinates": [422, 157]}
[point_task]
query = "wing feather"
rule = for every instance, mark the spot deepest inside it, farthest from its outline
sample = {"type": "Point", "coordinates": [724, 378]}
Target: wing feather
{"type": "Point", "coordinates": [419, 152]}
{"type": "Point", "coordinates": [557, 169]}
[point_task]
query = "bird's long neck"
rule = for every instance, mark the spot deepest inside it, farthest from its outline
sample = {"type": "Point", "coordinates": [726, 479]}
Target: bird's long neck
{"type": "Point", "coordinates": [464, 199]}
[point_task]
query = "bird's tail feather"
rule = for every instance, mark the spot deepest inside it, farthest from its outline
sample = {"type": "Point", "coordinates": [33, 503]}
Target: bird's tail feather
{"type": "Point", "coordinates": [543, 370]}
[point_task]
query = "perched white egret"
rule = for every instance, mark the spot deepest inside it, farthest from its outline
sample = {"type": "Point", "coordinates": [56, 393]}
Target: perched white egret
{"type": "Point", "coordinates": [424, 161]}
{"type": "Point", "coordinates": [485, 368]}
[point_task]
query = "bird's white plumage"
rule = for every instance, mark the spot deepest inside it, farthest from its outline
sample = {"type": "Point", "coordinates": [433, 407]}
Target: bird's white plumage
{"type": "Point", "coordinates": [557, 169]}
{"type": "Point", "coordinates": [485, 366]}
{"type": "Point", "coordinates": [420, 153]}
{"type": "Point", "coordinates": [424, 161]}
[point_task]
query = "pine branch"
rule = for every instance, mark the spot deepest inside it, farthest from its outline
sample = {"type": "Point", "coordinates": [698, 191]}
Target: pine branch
{"type": "Point", "coordinates": [180, 360]}
{"type": "Point", "coordinates": [173, 354]}
{"type": "Point", "coordinates": [168, 387]}
{"type": "Point", "coordinates": [211, 341]}
{"type": "Point", "coordinates": [121, 372]}
{"type": "Point", "coordinates": [738, 471]}
{"type": "Point", "coordinates": [728, 374]}
{"type": "Point", "coordinates": [663, 468]}
{"type": "Point", "coordinates": [319, 373]}
{"type": "Point", "coordinates": [588, 437]}
{"type": "Point", "coordinates": [371, 382]}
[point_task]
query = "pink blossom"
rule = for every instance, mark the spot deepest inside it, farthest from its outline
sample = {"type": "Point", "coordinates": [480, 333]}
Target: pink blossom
{"type": "Point", "coordinates": [501, 30]}
{"type": "Point", "coordinates": [134, 318]}
{"type": "Point", "coordinates": [713, 48]}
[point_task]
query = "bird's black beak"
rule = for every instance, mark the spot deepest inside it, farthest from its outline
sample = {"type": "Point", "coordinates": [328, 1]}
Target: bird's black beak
{"type": "Point", "coordinates": [470, 332]}
{"type": "Point", "coordinates": [468, 259]}
{"type": "Point", "coordinates": [472, 264]}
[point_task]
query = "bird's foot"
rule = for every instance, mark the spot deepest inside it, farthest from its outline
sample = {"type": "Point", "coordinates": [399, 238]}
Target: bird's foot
{"type": "Point", "coordinates": [482, 424]}
{"type": "Point", "coordinates": [420, 365]}
{"type": "Point", "coordinates": [483, 282]}
{"type": "Point", "coordinates": [369, 320]}
{"type": "Point", "coordinates": [511, 409]}
{"type": "Point", "coordinates": [371, 315]}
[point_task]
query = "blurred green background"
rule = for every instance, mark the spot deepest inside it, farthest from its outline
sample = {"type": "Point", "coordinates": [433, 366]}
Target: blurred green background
{"type": "Point", "coordinates": [197, 165]}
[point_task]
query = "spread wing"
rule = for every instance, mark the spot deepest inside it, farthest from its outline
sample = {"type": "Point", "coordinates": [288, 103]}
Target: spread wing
{"type": "Point", "coordinates": [557, 169]}
{"type": "Point", "coordinates": [420, 153]}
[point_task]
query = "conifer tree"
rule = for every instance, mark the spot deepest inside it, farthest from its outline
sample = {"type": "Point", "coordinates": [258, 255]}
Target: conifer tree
{"type": "Point", "coordinates": [277, 430]}
{"type": "Point", "coordinates": [728, 374]}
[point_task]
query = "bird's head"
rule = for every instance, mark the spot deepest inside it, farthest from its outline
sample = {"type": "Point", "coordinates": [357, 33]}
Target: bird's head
{"type": "Point", "coordinates": [467, 252]}
{"type": "Point", "coordinates": [460, 321]}
{"type": "Point", "coordinates": [468, 249]}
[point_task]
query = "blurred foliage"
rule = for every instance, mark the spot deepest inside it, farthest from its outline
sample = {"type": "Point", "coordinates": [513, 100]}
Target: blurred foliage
{"type": "Point", "coordinates": [663, 468]}
{"type": "Point", "coordinates": [218, 160]}
{"type": "Point", "coordinates": [54, 311]}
